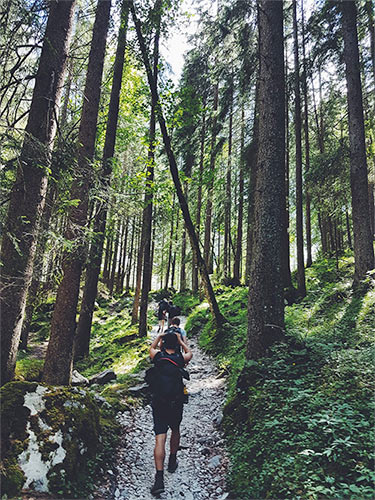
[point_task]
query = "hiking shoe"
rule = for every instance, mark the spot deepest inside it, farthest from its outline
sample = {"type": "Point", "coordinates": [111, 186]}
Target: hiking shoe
{"type": "Point", "coordinates": [158, 486]}
{"type": "Point", "coordinates": [172, 465]}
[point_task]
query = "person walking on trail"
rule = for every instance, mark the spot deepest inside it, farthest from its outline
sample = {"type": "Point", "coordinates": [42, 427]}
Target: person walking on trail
{"type": "Point", "coordinates": [162, 314]}
{"type": "Point", "coordinates": [173, 311]}
{"type": "Point", "coordinates": [175, 324]}
{"type": "Point", "coordinates": [167, 402]}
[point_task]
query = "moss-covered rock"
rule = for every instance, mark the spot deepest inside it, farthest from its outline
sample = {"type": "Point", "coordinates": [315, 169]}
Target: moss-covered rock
{"type": "Point", "coordinates": [48, 436]}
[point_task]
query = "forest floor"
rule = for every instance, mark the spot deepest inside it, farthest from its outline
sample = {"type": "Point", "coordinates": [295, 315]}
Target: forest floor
{"type": "Point", "coordinates": [202, 460]}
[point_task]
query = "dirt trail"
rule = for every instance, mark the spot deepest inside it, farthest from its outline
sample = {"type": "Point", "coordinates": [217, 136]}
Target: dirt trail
{"type": "Point", "coordinates": [202, 461]}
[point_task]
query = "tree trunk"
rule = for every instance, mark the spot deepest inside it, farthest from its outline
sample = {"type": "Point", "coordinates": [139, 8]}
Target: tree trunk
{"type": "Point", "coordinates": [307, 146]}
{"type": "Point", "coordinates": [170, 250]}
{"type": "Point", "coordinates": [123, 257]}
{"type": "Point", "coordinates": [28, 193]}
{"type": "Point", "coordinates": [363, 246]}
{"type": "Point", "coordinates": [285, 249]}
{"type": "Point", "coordinates": [115, 256]}
{"type": "Point", "coordinates": [266, 296]}
{"type": "Point", "coordinates": [183, 248]}
{"type": "Point", "coordinates": [130, 260]}
{"type": "Point", "coordinates": [32, 296]}
{"type": "Point", "coordinates": [301, 284]}
{"type": "Point", "coordinates": [217, 316]}
{"type": "Point", "coordinates": [252, 160]}
{"type": "Point", "coordinates": [59, 357]}
{"type": "Point", "coordinates": [147, 214]}
{"type": "Point", "coordinates": [228, 201]}
{"type": "Point", "coordinates": [199, 196]}
{"type": "Point", "coordinates": [238, 254]}
{"type": "Point", "coordinates": [210, 187]}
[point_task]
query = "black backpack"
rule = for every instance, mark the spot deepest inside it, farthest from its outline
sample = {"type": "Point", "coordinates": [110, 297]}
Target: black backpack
{"type": "Point", "coordinates": [174, 311]}
{"type": "Point", "coordinates": [165, 378]}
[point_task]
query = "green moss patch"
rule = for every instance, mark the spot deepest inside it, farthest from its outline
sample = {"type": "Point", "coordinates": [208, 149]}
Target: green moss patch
{"type": "Point", "coordinates": [49, 435]}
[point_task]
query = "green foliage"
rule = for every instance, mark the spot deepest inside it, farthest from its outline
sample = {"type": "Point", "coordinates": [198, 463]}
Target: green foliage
{"type": "Point", "coordinates": [300, 423]}
{"type": "Point", "coordinates": [186, 300]}
{"type": "Point", "coordinates": [29, 369]}
{"type": "Point", "coordinates": [114, 342]}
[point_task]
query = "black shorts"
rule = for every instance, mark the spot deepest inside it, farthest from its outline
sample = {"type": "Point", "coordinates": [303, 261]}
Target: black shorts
{"type": "Point", "coordinates": [161, 315]}
{"type": "Point", "coordinates": [166, 415]}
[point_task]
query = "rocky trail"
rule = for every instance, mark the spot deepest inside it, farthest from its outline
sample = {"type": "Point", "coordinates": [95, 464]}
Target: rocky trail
{"type": "Point", "coordinates": [202, 460]}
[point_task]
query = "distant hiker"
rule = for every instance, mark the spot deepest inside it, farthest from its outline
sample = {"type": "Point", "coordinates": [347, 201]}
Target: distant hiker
{"type": "Point", "coordinates": [175, 323]}
{"type": "Point", "coordinates": [173, 311]}
{"type": "Point", "coordinates": [162, 314]}
{"type": "Point", "coordinates": [167, 402]}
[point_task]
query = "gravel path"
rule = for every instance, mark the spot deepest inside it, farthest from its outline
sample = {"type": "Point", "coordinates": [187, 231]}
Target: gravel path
{"type": "Point", "coordinates": [202, 461]}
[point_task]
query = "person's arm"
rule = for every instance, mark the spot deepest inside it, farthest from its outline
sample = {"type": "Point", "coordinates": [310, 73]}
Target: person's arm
{"type": "Point", "coordinates": [153, 346]}
{"type": "Point", "coordinates": [187, 354]}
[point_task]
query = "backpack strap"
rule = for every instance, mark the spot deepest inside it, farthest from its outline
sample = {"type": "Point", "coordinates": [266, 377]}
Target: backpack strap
{"type": "Point", "coordinates": [168, 359]}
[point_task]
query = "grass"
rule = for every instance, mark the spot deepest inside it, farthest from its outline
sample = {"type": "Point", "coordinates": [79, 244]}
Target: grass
{"type": "Point", "coordinates": [300, 423]}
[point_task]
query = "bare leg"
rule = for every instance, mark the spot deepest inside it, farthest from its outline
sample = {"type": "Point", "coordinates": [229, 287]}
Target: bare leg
{"type": "Point", "coordinates": [159, 451]}
{"type": "Point", "coordinates": [175, 441]}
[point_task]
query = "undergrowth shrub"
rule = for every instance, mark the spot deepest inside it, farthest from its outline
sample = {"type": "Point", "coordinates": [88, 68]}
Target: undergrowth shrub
{"type": "Point", "coordinates": [300, 422]}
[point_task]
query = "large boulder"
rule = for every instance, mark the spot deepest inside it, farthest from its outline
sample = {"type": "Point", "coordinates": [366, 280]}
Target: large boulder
{"type": "Point", "coordinates": [48, 434]}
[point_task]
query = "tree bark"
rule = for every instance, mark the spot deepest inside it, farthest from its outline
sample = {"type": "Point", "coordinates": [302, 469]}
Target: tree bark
{"type": "Point", "coordinates": [252, 166]}
{"type": "Point", "coordinates": [199, 196]}
{"type": "Point", "coordinates": [266, 297]}
{"type": "Point", "coordinates": [307, 146]}
{"type": "Point", "coordinates": [217, 316]}
{"type": "Point", "coordinates": [147, 214]}
{"type": "Point", "coordinates": [301, 284]}
{"type": "Point", "coordinates": [210, 187]}
{"type": "Point", "coordinates": [59, 358]}
{"type": "Point", "coordinates": [28, 193]}
{"type": "Point", "coordinates": [285, 249]}
{"type": "Point", "coordinates": [238, 254]}
{"type": "Point", "coordinates": [228, 200]}
{"type": "Point", "coordinates": [363, 246]}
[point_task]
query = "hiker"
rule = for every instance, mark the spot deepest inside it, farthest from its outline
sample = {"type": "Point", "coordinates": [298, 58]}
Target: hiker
{"type": "Point", "coordinates": [162, 314]}
{"type": "Point", "coordinates": [175, 324]}
{"type": "Point", "coordinates": [167, 402]}
{"type": "Point", "coordinates": [173, 311]}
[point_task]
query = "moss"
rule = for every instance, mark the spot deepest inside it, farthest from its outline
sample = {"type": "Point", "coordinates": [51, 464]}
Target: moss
{"type": "Point", "coordinates": [29, 369]}
{"type": "Point", "coordinates": [12, 477]}
{"type": "Point", "coordinates": [69, 413]}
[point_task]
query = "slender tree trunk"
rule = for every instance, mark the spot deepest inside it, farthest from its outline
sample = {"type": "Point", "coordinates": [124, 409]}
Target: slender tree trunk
{"type": "Point", "coordinates": [59, 358]}
{"type": "Point", "coordinates": [301, 284]}
{"type": "Point", "coordinates": [121, 252]}
{"type": "Point", "coordinates": [285, 249]}
{"type": "Point", "coordinates": [32, 296]}
{"type": "Point", "coordinates": [130, 260]}
{"type": "Point", "coordinates": [183, 248]}
{"type": "Point", "coordinates": [108, 256]}
{"type": "Point", "coordinates": [167, 274]}
{"type": "Point", "coordinates": [363, 246]}
{"type": "Point", "coordinates": [238, 254]}
{"type": "Point", "coordinates": [210, 187]}
{"type": "Point", "coordinates": [228, 200]}
{"type": "Point", "coordinates": [307, 146]}
{"type": "Point", "coordinates": [123, 258]}
{"type": "Point", "coordinates": [199, 196]}
{"type": "Point", "coordinates": [217, 316]}
{"type": "Point", "coordinates": [147, 214]}
{"type": "Point", "coordinates": [28, 193]}
{"type": "Point", "coordinates": [138, 280]}
{"type": "Point", "coordinates": [266, 295]}
{"type": "Point", "coordinates": [252, 160]}
{"type": "Point", "coordinates": [115, 256]}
